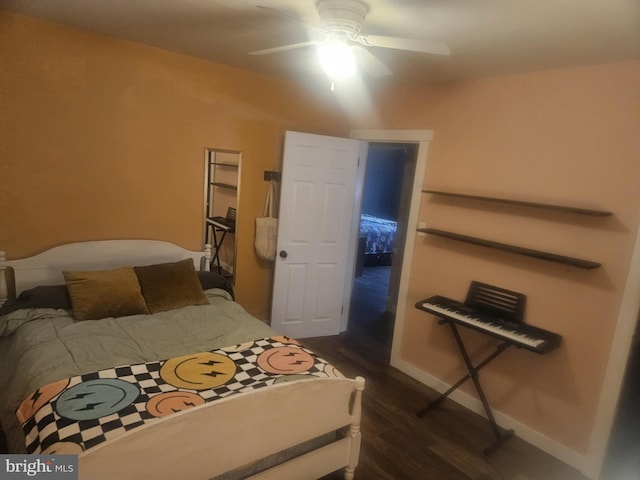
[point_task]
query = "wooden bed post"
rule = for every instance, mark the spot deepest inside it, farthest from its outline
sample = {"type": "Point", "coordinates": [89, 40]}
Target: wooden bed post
{"type": "Point", "coordinates": [3, 279]}
{"type": "Point", "coordinates": [354, 430]}
{"type": "Point", "coordinates": [207, 257]}
{"type": "Point", "coordinates": [7, 280]}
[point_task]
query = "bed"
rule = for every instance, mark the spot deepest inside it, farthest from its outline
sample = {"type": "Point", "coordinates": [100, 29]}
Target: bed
{"type": "Point", "coordinates": [202, 388]}
{"type": "Point", "coordinates": [378, 240]}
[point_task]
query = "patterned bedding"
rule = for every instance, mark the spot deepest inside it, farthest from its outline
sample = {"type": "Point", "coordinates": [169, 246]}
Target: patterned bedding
{"type": "Point", "coordinates": [74, 414]}
{"type": "Point", "coordinates": [379, 232]}
{"type": "Point", "coordinates": [40, 346]}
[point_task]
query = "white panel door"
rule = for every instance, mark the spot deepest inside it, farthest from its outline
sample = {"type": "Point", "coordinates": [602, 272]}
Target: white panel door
{"type": "Point", "coordinates": [316, 205]}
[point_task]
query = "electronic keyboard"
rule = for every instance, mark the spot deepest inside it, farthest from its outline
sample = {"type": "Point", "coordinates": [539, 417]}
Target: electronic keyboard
{"type": "Point", "coordinates": [522, 335]}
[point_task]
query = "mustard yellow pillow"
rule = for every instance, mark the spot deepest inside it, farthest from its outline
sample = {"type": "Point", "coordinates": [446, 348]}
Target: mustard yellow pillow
{"type": "Point", "coordinates": [105, 293]}
{"type": "Point", "coordinates": [166, 286]}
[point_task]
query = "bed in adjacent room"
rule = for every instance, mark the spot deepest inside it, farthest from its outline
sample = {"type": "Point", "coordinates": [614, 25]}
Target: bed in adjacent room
{"type": "Point", "coordinates": [122, 346]}
{"type": "Point", "coordinates": [379, 235]}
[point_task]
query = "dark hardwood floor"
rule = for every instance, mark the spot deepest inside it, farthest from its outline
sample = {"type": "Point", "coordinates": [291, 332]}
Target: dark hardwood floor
{"type": "Point", "coordinates": [446, 444]}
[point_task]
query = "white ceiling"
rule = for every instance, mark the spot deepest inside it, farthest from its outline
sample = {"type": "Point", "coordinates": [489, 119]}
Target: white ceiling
{"type": "Point", "coordinates": [486, 37]}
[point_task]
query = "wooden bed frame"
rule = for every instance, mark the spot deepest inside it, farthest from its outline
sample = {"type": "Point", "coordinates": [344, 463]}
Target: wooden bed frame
{"type": "Point", "coordinates": [218, 437]}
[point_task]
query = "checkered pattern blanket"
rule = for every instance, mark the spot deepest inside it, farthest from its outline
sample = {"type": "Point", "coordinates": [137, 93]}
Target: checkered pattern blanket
{"type": "Point", "coordinates": [77, 413]}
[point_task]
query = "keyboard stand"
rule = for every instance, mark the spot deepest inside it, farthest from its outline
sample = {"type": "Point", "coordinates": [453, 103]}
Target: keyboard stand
{"type": "Point", "coordinates": [215, 229]}
{"type": "Point", "coordinates": [474, 375]}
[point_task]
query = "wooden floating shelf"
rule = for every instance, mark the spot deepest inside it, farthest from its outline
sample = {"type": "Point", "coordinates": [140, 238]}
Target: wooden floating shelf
{"type": "Point", "coordinates": [574, 262]}
{"type": "Point", "coordinates": [222, 164]}
{"type": "Point", "coordinates": [224, 185]}
{"type": "Point", "coordinates": [546, 206]}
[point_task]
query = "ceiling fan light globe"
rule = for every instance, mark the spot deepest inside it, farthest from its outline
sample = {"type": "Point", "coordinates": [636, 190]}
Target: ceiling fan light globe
{"type": "Point", "coordinates": [337, 59]}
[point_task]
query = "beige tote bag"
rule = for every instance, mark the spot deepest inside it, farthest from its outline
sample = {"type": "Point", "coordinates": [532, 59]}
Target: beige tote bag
{"type": "Point", "coordinates": [267, 228]}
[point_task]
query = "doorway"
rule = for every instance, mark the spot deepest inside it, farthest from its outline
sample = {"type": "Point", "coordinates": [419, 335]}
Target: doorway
{"type": "Point", "coordinates": [621, 459]}
{"type": "Point", "coordinates": [384, 214]}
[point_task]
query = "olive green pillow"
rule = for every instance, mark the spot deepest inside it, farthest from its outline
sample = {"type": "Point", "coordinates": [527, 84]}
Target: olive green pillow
{"type": "Point", "coordinates": [166, 286]}
{"type": "Point", "coordinates": [106, 293]}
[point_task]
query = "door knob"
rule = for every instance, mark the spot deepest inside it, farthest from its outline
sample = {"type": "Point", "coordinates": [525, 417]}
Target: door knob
{"type": "Point", "coordinates": [283, 253]}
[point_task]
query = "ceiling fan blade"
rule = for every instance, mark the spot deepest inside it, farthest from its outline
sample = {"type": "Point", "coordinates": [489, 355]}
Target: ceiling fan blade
{"type": "Point", "coordinates": [370, 63]}
{"type": "Point", "coordinates": [284, 48]}
{"type": "Point", "coordinates": [290, 16]}
{"type": "Point", "coordinates": [412, 44]}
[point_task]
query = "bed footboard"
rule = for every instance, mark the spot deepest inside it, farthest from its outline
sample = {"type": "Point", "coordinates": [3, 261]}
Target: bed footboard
{"type": "Point", "coordinates": [212, 439]}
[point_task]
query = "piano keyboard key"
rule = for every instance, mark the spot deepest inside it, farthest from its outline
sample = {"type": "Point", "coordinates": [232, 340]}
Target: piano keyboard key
{"type": "Point", "coordinates": [490, 327]}
{"type": "Point", "coordinates": [529, 337]}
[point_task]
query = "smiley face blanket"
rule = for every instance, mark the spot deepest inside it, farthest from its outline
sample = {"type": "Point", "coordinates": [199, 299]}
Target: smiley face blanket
{"type": "Point", "coordinates": [77, 413]}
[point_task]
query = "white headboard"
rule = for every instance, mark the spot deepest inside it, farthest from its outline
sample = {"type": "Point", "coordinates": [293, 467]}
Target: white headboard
{"type": "Point", "coordinates": [46, 268]}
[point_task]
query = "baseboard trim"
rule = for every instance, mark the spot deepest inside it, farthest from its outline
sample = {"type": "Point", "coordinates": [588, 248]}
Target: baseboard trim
{"type": "Point", "coordinates": [525, 432]}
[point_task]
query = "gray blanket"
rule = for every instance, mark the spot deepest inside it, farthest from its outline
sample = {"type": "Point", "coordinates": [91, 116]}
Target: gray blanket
{"type": "Point", "coordinates": [42, 345]}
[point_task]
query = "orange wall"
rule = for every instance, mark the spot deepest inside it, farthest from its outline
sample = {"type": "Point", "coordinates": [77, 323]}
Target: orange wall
{"type": "Point", "coordinates": [103, 138]}
{"type": "Point", "coordinates": [567, 136]}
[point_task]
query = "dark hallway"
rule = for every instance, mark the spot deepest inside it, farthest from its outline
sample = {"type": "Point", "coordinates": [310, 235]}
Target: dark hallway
{"type": "Point", "coordinates": [368, 316]}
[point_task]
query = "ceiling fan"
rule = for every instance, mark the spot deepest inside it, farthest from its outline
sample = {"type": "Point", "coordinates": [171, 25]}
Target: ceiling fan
{"type": "Point", "coordinates": [341, 21]}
